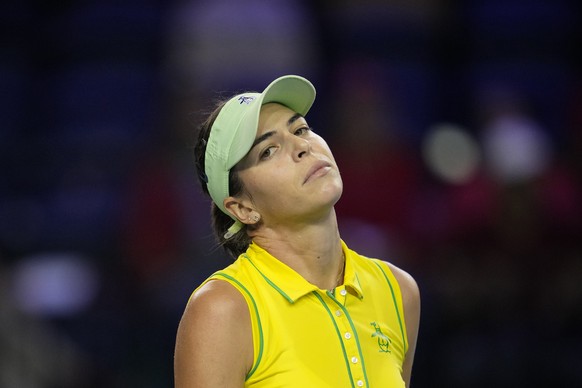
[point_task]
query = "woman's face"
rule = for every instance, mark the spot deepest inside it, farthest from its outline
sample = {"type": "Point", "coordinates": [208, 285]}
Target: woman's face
{"type": "Point", "coordinates": [289, 174]}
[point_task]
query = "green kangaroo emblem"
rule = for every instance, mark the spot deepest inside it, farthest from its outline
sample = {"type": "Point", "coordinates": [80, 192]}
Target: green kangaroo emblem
{"type": "Point", "coordinates": [383, 340]}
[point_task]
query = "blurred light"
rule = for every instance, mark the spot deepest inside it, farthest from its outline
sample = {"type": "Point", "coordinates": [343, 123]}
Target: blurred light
{"type": "Point", "coordinates": [54, 284]}
{"type": "Point", "coordinates": [217, 43]}
{"type": "Point", "coordinates": [450, 153]}
{"type": "Point", "coordinates": [516, 149]}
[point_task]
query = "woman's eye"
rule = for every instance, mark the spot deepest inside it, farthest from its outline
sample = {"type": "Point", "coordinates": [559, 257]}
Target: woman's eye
{"type": "Point", "coordinates": [300, 131]}
{"type": "Point", "coordinates": [267, 153]}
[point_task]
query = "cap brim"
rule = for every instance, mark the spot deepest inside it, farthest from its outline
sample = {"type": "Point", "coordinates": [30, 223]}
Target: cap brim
{"type": "Point", "coordinates": [296, 93]}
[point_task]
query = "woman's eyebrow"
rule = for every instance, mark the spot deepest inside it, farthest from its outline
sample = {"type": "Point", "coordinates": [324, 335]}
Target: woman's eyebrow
{"type": "Point", "coordinates": [263, 137]}
{"type": "Point", "coordinates": [294, 118]}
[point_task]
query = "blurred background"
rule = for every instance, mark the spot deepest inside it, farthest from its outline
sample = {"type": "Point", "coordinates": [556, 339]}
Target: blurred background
{"type": "Point", "coordinates": [456, 125]}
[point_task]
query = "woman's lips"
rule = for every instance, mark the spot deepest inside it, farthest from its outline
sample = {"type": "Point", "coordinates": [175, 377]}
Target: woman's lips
{"type": "Point", "coordinates": [318, 169]}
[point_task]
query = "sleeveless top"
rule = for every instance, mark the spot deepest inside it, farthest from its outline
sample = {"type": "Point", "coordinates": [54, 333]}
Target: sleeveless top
{"type": "Point", "coordinates": [352, 336]}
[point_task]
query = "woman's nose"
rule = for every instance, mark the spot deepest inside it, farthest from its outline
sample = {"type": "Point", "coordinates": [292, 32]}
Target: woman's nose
{"type": "Point", "coordinates": [302, 148]}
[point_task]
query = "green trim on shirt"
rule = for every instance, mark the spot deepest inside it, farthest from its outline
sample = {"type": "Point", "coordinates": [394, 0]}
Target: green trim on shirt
{"type": "Point", "coordinates": [404, 341]}
{"type": "Point", "coordinates": [260, 327]}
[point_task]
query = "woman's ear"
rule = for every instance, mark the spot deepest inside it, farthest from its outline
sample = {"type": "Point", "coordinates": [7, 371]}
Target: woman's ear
{"type": "Point", "coordinates": [239, 209]}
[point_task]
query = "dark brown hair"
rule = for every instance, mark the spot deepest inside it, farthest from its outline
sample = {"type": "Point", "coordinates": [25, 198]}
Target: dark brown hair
{"type": "Point", "coordinates": [238, 243]}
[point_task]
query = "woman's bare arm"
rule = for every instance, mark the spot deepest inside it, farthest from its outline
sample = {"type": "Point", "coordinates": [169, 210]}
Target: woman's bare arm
{"type": "Point", "coordinates": [214, 346]}
{"type": "Point", "coordinates": [411, 302]}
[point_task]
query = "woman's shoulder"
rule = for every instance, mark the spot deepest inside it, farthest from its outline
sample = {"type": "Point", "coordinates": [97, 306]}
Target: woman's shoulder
{"type": "Point", "coordinates": [404, 279]}
{"type": "Point", "coordinates": [214, 342]}
{"type": "Point", "coordinates": [217, 299]}
{"type": "Point", "coordinates": [215, 326]}
{"type": "Point", "coordinates": [215, 308]}
{"type": "Point", "coordinates": [408, 286]}
{"type": "Point", "coordinates": [406, 282]}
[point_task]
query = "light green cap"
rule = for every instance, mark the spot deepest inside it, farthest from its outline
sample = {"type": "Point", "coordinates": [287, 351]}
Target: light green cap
{"type": "Point", "coordinates": [235, 129]}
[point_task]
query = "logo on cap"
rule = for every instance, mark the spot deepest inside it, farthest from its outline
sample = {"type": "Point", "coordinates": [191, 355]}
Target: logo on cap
{"type": "Point", "coordinates": [245, 99]}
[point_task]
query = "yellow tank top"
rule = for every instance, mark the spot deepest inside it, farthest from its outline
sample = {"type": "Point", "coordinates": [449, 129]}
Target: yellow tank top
{"type": "Point", "coordinates": [352, 336]}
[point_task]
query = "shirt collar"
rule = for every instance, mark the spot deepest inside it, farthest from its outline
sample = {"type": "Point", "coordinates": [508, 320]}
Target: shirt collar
{"type": "Point", "coordinates": [289, 283]}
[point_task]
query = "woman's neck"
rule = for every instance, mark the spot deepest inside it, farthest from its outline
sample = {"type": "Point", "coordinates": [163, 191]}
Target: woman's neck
{"type": "Point", "coordinates": [313, 250]}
